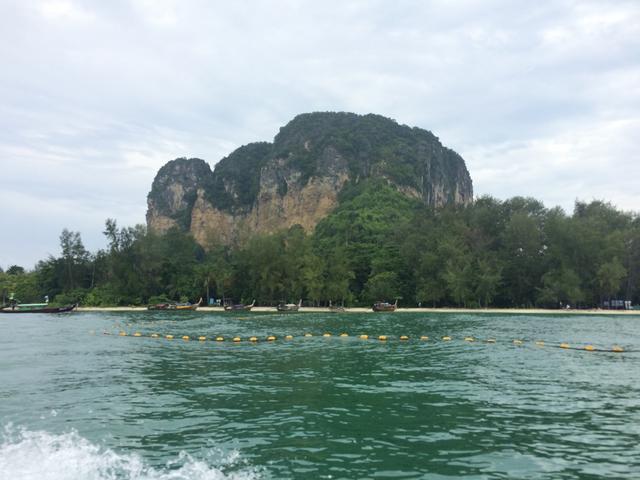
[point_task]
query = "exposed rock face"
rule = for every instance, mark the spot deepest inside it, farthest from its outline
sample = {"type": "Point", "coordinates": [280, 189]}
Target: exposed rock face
{"type": "Point", "coordinates": [265, 187]}
{"type": "Point", "coordinates": [174, 193]}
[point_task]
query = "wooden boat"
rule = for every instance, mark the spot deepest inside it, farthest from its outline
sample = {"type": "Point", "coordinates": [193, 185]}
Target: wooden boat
{"type": "Point", "coordinates": [289, 307]}
{"type": "Point", "coordinates": [385, 307]}
{"type": "Point", "coordinates": [188, 306]}
{"type": "Point", "coordinates": [240, 307]}
{"type": "Point", "coordinates": [162, 306]}
{"type": "Point", "coordinates": [36, 308]}
{"type": "Point", "coordinates": [175, 306]}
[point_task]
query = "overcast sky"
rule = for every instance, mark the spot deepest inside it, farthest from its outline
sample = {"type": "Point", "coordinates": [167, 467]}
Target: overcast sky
{"type": "Point", "coordinates": [541, 99]}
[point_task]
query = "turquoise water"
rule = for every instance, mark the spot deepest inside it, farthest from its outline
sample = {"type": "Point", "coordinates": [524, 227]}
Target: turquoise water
{"type": "Point", "coordinates": [75, 403]}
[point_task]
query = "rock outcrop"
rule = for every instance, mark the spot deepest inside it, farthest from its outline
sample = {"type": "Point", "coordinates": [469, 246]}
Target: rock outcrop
{"type": "Point", "coordinates": [297, 179]}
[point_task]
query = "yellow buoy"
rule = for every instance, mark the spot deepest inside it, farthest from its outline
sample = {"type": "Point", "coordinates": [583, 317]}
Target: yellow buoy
{"type": "Point", "coordinates": [491, 340]}
{"type": "Point", "coordinates": [137, 334]}
{"type": "Point", "coordinates": [404, 337]}
{"type": "Point", "coordinates": [253, 339]}
{"type": "Point", "coordinates": [424, 337]}
{"type": "Point", "coordinates": [364, 337]}
{"type": "Point", "coordinates": [540, 343]}
{"type": "Point", "coordinates": [326, 334]}
{"type": "Point", "coordinates": [236, 339]}
{"type": "Point", "coordinates": [517, 342]}
{"type": "Point", "coordinates": [308, 334]}
{"type": "Point", "coordinates": [564, 345]}
{"type": "Point", "coordinates": [186, 338]}
{"type": "Point", "coordinates": [382, 337]}
{"type": "Point", "coordinates": [154, 335]}
{"type": "Point", "coordinates": [589, 348]}
{"type": "Point", "coordinates": [468, 339]}
{"type": "Point", "coordinates": [271, 338]}
{"type": "Point", "coordinates": [219, 339]}
{"type": "Point", "coordinates": [617, 349]}
{"type": "Point", "coordinates": [169, 337]}
{"type": "Point", "coordinates": [288, 337]}
{"type": "Point", "coordinates": [123, 334]}
{"type": "Point", "coordinates": [344, 334]}
{"type": "Point", "coordinates": [202, 339]}
{"type": "Point", "coordinates": [446, 338]}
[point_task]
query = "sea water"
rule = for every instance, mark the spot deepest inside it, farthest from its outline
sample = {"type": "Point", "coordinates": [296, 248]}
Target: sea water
{"type": "Point", "coordinates": [80, 401]}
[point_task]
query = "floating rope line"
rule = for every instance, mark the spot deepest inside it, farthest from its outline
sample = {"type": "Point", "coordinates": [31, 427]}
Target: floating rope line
{"type": "Point", "coordinates": [380, 338]}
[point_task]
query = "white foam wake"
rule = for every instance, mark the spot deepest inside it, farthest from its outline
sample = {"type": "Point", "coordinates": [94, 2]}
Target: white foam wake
{"type": "Point", "coordinates": [29, 455]}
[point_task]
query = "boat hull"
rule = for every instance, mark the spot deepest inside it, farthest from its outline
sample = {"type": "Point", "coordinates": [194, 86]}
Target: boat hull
{"type": "Point", "coordinates": [187, 307]}
{"type": "Point", "coordinates": [238, 308]}
{"type": "Point", "coordinates": [175, 306]}
{"type": "Point", "coordinates": [384, 307]}
{"type": "Point", "coordinates": [162, 306]}
{"type": "Point", "coordinates": [287, 308]}
{"type": "Point", "coordinates": [67, 308]}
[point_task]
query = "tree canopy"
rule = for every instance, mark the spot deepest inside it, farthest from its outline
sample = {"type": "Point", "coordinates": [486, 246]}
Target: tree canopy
{"type": "Point", "coordinates": [377, 245]}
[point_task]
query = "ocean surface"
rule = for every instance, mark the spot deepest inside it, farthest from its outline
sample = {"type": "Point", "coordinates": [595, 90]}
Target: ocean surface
{"type": "Point", "coordinates": [76, 403]}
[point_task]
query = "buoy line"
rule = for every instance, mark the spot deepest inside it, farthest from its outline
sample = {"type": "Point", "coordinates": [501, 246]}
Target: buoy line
{"type": "Point", "coordinates": [380, 338]}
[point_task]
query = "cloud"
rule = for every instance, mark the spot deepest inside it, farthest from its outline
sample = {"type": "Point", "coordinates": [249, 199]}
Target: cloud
{"type": "Point", "coordinates": [572, 165]}
{"type": "Point", "coordinates": [57, 10]}
{"type": "Point", "coordinates": [541, 99]}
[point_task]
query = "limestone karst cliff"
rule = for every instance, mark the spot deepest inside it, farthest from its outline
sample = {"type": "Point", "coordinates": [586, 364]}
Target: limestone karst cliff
{"type": "Point", "coordinates": [263, 187]}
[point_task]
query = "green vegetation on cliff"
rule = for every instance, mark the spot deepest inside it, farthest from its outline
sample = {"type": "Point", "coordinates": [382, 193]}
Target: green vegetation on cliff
{"type": "Point", "coordinates": [373, 145]}
{"type": "Point", "coordinates": [362, 226]}
{"type": "Point", "coordinates": [236, 179]}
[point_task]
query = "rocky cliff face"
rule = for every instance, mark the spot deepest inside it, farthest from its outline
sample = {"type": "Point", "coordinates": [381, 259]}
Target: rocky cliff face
{"type": "Point", "coordinates": [264, 187]}
{"type": "Point", "coordinates": [174, 193]}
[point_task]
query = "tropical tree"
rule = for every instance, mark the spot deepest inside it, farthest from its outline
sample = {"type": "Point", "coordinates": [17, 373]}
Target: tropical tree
{"type": "Point", "coordinates": [610, 276]}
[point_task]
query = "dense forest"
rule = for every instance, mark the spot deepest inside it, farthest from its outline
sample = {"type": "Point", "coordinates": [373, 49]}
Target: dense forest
{"type": "Point", "coordinates": [377, 245]}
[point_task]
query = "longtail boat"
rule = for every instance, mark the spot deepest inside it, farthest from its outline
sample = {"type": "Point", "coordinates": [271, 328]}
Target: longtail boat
{"type": "Point", "coordinates": [188, 306]}
{"type": "Point", "coordinates": [289, 307]}
{"type": "Point", "coordinates": [36, 308]}
{"type": "Point", "coordinates": [240, 307]}
{"type": "Point", "coordinates": [162, 306]}
{"type": "Point", "coordinates": [175, 306]}
{"type": "Point", "coordinates": [385, 306]}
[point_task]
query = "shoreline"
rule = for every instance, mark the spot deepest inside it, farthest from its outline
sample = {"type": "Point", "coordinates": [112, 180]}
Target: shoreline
{"type": "Point", "coordinates": [521, 311]}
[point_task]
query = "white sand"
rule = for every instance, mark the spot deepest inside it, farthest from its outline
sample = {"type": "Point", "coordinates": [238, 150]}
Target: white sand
{"type": "Point", "coordinates": [528, 311]}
